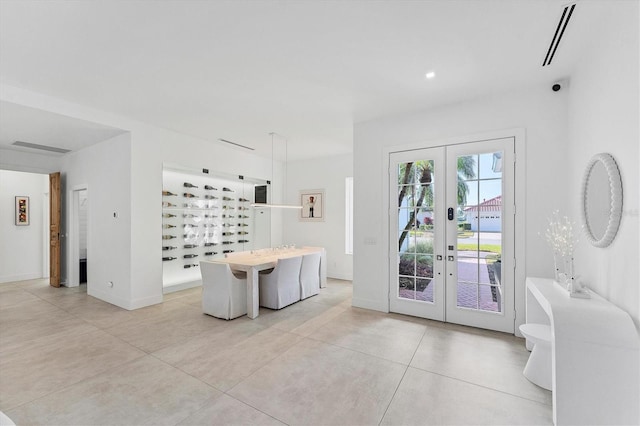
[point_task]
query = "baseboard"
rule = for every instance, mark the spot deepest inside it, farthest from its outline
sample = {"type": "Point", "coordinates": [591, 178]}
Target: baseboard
{"type": "Point", "coordinates": [339, 276]}
{"type": "Point", "coordinates": [373, 305]}
{"type": "Point", "coordinates": [109, 298]}
{"type": "Point", "coordinates": [145, 301]}
{"type": "Point", "coordinates": [20, 277]}
{"type": "Point", "coordinates": [181, 286]}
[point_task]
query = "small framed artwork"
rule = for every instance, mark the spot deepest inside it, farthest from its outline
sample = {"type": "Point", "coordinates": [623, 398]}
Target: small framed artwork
{"type": "Point", "coordinates": [22, 211]}
{"type": "Point", "coordinates": [312, 201]}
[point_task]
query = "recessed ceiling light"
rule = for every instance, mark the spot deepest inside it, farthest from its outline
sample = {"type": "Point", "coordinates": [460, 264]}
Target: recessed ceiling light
{"type": "Point", "coordinates": [430, 75]}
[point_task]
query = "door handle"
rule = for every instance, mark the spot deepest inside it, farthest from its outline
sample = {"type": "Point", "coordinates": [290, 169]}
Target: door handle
{"type": "Point", "coordinates": [450, 258]}
{"type": "Point", "coordinates": [439, 257]}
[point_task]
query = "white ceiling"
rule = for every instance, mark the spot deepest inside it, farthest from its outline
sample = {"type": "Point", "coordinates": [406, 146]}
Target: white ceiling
{"type": "Point", "coordinates": [20, 123]}
{"type": "Point", "coordinates": [304, 69]}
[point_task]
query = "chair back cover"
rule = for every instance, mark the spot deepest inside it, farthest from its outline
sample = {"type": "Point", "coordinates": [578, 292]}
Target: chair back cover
{"type": "Point", "coordinates": [281, 287]}
{"type": "Point", "coordinates": [223, 294]}
{"type": "Point", "coordinates": [310, 275]}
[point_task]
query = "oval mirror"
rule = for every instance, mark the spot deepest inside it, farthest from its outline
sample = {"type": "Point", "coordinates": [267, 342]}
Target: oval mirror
{"type": "Point", "coordinates": [601, 200]}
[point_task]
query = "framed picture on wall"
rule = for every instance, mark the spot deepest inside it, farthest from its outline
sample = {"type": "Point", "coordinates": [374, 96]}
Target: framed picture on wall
{"type": "Point", "coordinates": [312, 201]}
{"type": "Point", "coordinates": [22, 211]}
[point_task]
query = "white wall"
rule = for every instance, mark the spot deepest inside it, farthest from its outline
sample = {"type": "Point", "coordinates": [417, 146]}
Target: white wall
{"type": "Point", "coordinates": [21, 247]}
{"type": "Point", "coordinates": [329, 174]}
{"type": "Point", "coordinates": [604, 117]}
{"type": "Point", "coordinates": [150, 148]}
{"type": "Point", "coordinates": [539, 111]}
{"type": "Point", "coordinates": [105, 170]}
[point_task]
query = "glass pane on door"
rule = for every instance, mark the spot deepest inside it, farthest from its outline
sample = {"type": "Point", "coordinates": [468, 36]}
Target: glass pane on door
{"type": "Point", "coordinates": [479, 241]}
{"type": "Point", "coordinates": [415, 230]}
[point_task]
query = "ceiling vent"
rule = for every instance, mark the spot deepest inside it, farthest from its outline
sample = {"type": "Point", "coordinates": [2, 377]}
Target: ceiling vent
{"type": "Point", "coordinates": [562, 25]}
{"type": "Point", "coordinates": [41, 147]}
{"type": "Point", "coordinates": [236, 144]}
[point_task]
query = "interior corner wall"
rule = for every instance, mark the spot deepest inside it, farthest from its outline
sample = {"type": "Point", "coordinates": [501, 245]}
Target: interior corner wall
{"type": "Point", "coordinates": [329, 174]}
{"type": "Point", "coordinates": [604, 113]}
{"type": "Point", "coordinates": [21, 247]}
{"type": "Point", "coordinates": [542, 114]}
{"type": "Point", "coordinates": [105, 168]}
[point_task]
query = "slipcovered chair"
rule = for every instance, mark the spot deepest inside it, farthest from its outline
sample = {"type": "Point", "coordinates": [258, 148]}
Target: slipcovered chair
{"type": "Point", "coordinates": [310, 275]}
{"type": "Point", "coordinates": [281, 287]}
{"type": "Point", "coordinates": [224, 292]}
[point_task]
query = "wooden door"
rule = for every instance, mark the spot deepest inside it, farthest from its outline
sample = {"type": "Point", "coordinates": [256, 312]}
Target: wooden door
{"type": "Point", "coordinates": [54, 229]}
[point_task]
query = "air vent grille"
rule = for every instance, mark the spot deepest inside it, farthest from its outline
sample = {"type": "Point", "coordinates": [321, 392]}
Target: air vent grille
{"type": "Point", "coordinates": [562, 26]}
{"type": "Point", "coordinates": [41, 147]}
{"type": "Point", "coordinates": [236, 144]}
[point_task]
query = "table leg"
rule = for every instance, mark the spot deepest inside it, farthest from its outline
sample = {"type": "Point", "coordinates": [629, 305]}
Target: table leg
{"type": "Point", "coordinates": [253, 300]}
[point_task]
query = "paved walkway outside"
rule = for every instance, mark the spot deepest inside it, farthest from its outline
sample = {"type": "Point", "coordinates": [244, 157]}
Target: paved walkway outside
{"type": "Point", "coordinates": [472, 295]}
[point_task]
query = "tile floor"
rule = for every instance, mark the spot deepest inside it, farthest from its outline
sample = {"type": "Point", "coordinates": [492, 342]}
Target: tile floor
{"type": "Point", "coordinates": [68, 358]}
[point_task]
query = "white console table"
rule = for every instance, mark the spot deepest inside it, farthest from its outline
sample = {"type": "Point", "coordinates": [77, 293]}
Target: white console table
{"type": "Point", "coordinates": [595, 357]}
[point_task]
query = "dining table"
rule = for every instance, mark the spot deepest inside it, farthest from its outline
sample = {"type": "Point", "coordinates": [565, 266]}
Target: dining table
{"type": "Point", "coordinates": [254, 261]}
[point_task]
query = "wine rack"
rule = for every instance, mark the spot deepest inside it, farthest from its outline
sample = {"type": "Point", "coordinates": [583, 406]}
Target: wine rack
{"type": "Point", "coordinates": [203, 218]}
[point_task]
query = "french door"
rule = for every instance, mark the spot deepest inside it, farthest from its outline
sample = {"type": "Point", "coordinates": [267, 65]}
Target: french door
{"type": "Point", "coordinates": [452, 233]}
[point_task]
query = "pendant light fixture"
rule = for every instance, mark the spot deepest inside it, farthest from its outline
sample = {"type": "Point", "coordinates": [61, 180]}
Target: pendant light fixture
{"type": "Point", "coordinates": [279, 206]}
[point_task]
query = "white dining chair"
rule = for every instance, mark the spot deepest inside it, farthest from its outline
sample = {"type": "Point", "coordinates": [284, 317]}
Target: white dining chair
{"type": "Point", "coordinates": [310, 275]}
{"type": "Point", "coordinates": [224, 292]}
{"type": "Point", "coordinates": [281, 287]}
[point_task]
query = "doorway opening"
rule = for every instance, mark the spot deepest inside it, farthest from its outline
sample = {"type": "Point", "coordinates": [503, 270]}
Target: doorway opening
{"type": "Point", "coordinates": [452, 233]}
{"type": "Point", "coordinates": [78, 237]}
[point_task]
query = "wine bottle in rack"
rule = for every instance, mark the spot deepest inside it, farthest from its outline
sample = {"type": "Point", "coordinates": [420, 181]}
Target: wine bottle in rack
{"type": "Point", "coordinates": [164, 259]}
{"type": "Point", "coordinates": [210, 216]}
{"type": "Point", "coordinates": [242, 224]}
{"type": "Point", "coordinates": [243, 233]}
{"type": "Point", "coordinates": [189, 185]}
{"type": "Point", "coordinates": [189, 195]}
{"type": "Point", "coordinates": [227, 251]}
{"type": "Point", "coordinates": [225, 216]}
{"type": "Point", "coordinates": [167, 226]}
{"type": "Point", "coordinates": [168, 215]}
{"type": "Point", "coordinates": [210, 197]}
{"type": "Point", "coordinates": [243, 241]}
{"type": "Point", "coordinates": [168, 237]}
{"type": "Point", "coordinates": [189, 215]}
{"type": "Point", "coordinates": [169, 248]}
{"type": "Point", "coordinates": [187, 246]}
{"type": "Point", "coordinates": [210, 188]}
{"type": "Point", "coordinates": [243, 217]}
{"type": "Point", "coordinates": [210, 225]}
{"type": "Point", "coordinates": [243, 208]}
{"type": "Point", "coordinates": [211, 253]}
{"type": "Point", "coordinates": [189, 256]}
{"type": "Point", "coordinates": [190, 265]}
{"type": "Point", "coordinates": [190, 225]}
{"type": "Point", "coordinates": [227, 242]}
{"type": "Point", "coordinates": [210, 244]}
{"type": "Point", "coordinates": [227, 189]}
{"type": "Point", "coordinates": [226, 234]}
{"type": "Point", "coordinates": [168, 204]}
{"type": "Point", "coordinates": [227, 199]}
{"type": "Point", "coordinates": [168, 193]}
{"type": "Point", "coordinates": [243, 200]}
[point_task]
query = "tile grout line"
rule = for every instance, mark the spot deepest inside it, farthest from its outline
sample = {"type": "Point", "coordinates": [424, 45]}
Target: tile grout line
{"type": "Point", "coordinates": [403, 376]}
{"type": "Point", "coordinates": [482, 386]}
